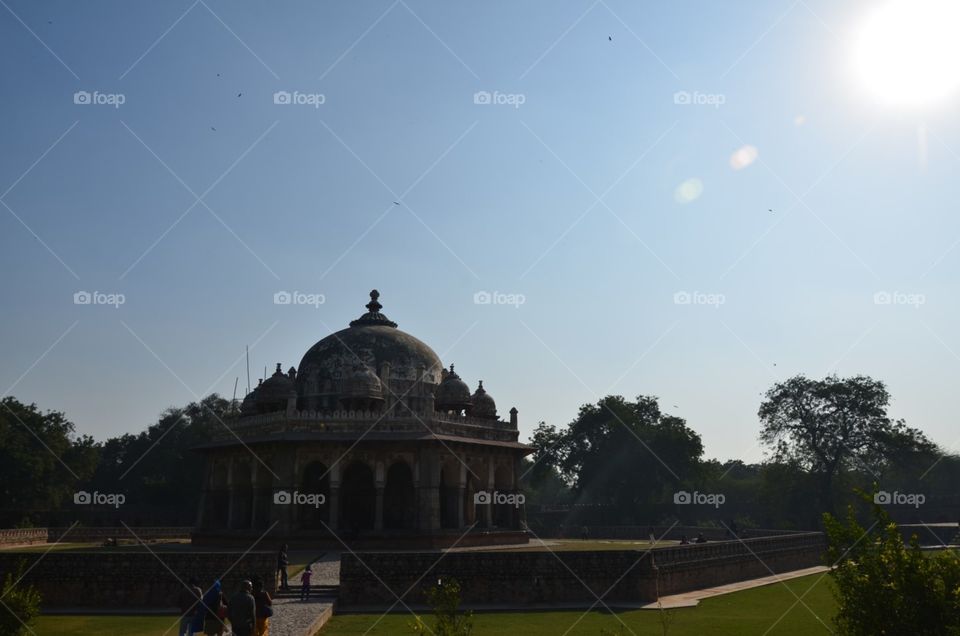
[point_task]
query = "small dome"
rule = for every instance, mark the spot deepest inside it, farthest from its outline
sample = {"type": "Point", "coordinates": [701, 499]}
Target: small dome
{"type": "Point", "coordinates": [275, 390]}
{"type": "Point", "coordinates": [249, 404]}
{"type": "Point", "coordinates": [364, 383]}
{"type": "Point", "coordinates": [453, 394]}
{"type": "Point", "coordinates": [483, 404]}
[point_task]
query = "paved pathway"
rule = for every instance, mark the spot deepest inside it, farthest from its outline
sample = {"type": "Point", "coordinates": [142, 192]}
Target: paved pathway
{"type": "Point", "coordinates": [293, 617]}
{"type": "Point", "coordinates": [692, 599]}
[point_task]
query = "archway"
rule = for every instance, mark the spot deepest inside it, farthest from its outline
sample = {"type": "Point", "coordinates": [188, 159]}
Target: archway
{"type": "Point", "coordinates": [315, 481]}
{"type": "Point", "coordinates": [358, 498]}
{"type": "Point", "coordinates": [448, 497]}
{"type": "Point", "coordinates": [398, 498]}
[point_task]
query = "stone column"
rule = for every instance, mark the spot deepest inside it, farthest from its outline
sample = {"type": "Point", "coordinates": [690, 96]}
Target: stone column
{"type": "Point", "coordinates": [254, 494]}
{"type": "Point", "coordinates": [378, 505]}
{"type": "Point", "coordinates": [461, 491]}
{"type": "Point", "coordinates": [488, 509]}
{"type": "Point", "coordinates": [333, 505]}
{"type": "Point", "coordinates": [231, 495]}
{"type": "Point", "coordinates": [429, 510]}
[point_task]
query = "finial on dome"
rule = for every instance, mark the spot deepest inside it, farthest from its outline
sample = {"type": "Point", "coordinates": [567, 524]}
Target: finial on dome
{"type": "Point", "coordinates": [373, 317]}
{"type": "Point", "coordinates": [374, 306]}
{"type": "Point", "coordinates": [278, 369]}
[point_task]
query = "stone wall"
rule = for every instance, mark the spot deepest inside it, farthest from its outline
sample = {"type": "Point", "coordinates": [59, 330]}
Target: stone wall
{"type": "Point", "coordinates": [117, 579]}
{"type": "Point", "coordinates": [520, 578]}
{"type": "Point", "coordinates": [84, 534]}
{"type": "Point", "coordinates": [22, 536]}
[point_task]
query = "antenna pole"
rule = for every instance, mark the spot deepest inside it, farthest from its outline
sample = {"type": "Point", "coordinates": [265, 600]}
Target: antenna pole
{"type": "Point", "coordinates": [248, 368]}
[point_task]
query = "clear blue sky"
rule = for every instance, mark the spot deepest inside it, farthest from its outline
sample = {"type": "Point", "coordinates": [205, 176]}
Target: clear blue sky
{"type": "Point", "coordinates": [302, 199]}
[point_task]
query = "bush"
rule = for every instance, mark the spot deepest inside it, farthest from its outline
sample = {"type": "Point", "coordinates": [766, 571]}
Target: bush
{"type": "Point", "coordinates": [444, 598]}
{"type": "Point", "coordinates": [884, 586]}
{"type": "Point", "coordinates": [19, 604]}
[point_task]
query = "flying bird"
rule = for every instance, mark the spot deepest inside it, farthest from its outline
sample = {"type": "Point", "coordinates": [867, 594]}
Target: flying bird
{"type": "Point", "coordinates": [396, 203]}
{"type": "Point", "coordinates": [239, 94]}
{"type": "Point", "coordinates": [213, 129]}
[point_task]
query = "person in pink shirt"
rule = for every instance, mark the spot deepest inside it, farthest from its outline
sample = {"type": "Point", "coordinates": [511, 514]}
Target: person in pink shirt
{"type": "Point", "coordinates": [305, 583]}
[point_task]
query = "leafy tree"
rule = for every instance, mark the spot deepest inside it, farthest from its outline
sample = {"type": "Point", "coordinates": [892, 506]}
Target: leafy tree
{"type": "Point", "coordinates": [886, 587]}
{"type": "Point", "coordinates": [444, 598]}
{"type": "Point", "coordinates": [830, 425]}
{"type": "Point", "coordinates": [41, 459]}
{"type": "Point", "coordinates": [20, 604]}
{"type": "Point", "coordinates": [626, 456]}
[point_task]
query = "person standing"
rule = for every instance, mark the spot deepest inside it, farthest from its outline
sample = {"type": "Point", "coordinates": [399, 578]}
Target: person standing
{"type": "Point", "coordinates": [189, 606]}
{"type": "Point", "coordinates": [212, 610]}
{"type": "Point", "coordinates": [305, 583]}
{"type": "Point", "coordinates": [282, 563]}
{"type": "Point", "coordinates": [264, 608]}
{"type": "Point", "coordinates": [242, 610]}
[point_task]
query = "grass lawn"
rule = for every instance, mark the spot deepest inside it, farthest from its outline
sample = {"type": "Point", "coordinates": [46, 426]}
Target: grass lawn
{"type": "Point", "coordinates": [748, 612]}
{"type": "Point", "coordinates": [105, 625]}
{"type": "Point", "coordinates": [568, 545]}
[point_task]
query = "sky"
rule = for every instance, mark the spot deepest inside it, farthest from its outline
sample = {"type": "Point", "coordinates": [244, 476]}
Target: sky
{"type": "Point", "coordinates": [688, 200]}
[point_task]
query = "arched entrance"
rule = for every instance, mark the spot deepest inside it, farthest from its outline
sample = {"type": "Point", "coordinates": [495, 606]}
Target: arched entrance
{"type": "Point", "coordinates": [398, 498]}
{"type": "Point", "coordinates": [358, 498]}
{"type": "Point", "coordinates": [448, 497]}
{"type": "Point", "coordinates": [315, 481]}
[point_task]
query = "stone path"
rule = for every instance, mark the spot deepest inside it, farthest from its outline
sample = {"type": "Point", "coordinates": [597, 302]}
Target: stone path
{"type": "Point", "coordinates": [692, 599]}
{"type": "Point", "coordinates": [293, 617]}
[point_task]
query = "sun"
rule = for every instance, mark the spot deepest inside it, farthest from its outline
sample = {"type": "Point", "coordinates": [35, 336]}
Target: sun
{"type": "Point", "coordinates": [908, 51]}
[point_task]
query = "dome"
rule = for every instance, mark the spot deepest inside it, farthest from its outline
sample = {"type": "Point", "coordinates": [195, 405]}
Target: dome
{"type": "Point", "coordinates": [483, 404]}
{"type": "Point", "coordinates": [453, 393]}
{"type": "Point", "coordinates": [249, 404]}
{"type": "Point", "coordinates": [363, 384]}
{"type": "Point", "coordinates": [373, 342]}
{"type": "Point", "coordinates": [272, 393]}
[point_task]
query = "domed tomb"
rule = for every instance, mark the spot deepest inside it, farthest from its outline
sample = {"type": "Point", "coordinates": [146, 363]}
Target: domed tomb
{"type": "Point", "coordinates": [406, 369]}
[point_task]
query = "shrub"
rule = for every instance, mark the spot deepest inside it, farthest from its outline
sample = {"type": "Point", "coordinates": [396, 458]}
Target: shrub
{"type": "Point", "coordinates": [19, 604]}
{"type": "Point", "coordinates": [444, 598]}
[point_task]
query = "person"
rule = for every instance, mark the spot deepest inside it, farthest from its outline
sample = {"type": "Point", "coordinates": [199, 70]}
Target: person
{"type": "Point", "coordinates": [684, 540]}
{"type": "Point", "coordinates": [242, 610]}
{"type": "Point", "coordinates": [189, 603]}
{"type": "Point", "coordinates": [701, 538]}
{"type": "Point", "coordinates": [305, 583]}
{"type": "Point", "coordinates": [282, 563]}
{"type": "Point", "coordinates": [264, 608]}
{"type": "Point", "coordinates": [212, 610]}
{"type": "Point", "coordinates": [584, 533]}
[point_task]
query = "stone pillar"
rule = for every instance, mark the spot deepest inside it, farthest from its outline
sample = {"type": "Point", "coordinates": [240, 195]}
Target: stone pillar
{"type": "Point", "coordinates": [461, 492]}
{"type": "Point", "coordinates": [231, 495]}
{"type": "Point", "coordinates": [254, 493]}
{"type": "Point", "coordinates": [378, 506]}
{"type": "Point", "coordinates": [488, 509]}
{"type": "Point", "coordinates": [286, 463]}
{"type": "Point", "coordinates": [429, 510]}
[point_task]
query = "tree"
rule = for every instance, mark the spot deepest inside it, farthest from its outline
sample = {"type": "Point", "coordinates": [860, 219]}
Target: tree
{"type": "Point", "coordinates": [444, 598]}
{"type": "Point", "coordinates": [829, 425]}
{"type": "Point", "coordinates": [886, 587]}
{"type": "Point", "coordinates": [21, 603]}
{"type": "Point", "coordinates": [627, 456]}
{"type": "Point", "coordinates": [41, 460]}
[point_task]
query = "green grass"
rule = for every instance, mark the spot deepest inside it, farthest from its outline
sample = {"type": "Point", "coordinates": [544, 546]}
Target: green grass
{"type": "Point", "coordinates": [748, 612]}
{"type": "Point", "coordinates": [105, 625]}
{"type": "Point", "coordinates": [593, 545]}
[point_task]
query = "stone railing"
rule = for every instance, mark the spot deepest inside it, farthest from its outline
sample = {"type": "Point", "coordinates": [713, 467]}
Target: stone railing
{"type": "Point", "coordinates": [84, 534]}
{"type": "Point", "coordinates": [133, 579]}
{"type": "Point", "coordinates": [521, 578]}
{"type": "Point", "coordinates": [361, 421]}
{"type": "Point", "coordinates": [22, 536]}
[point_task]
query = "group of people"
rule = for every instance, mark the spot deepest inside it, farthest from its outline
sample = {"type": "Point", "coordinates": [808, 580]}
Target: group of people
{"type": "Point", "coordinates": [247, 612]}
{"type": "Point", "coordinates": [685, 541]}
